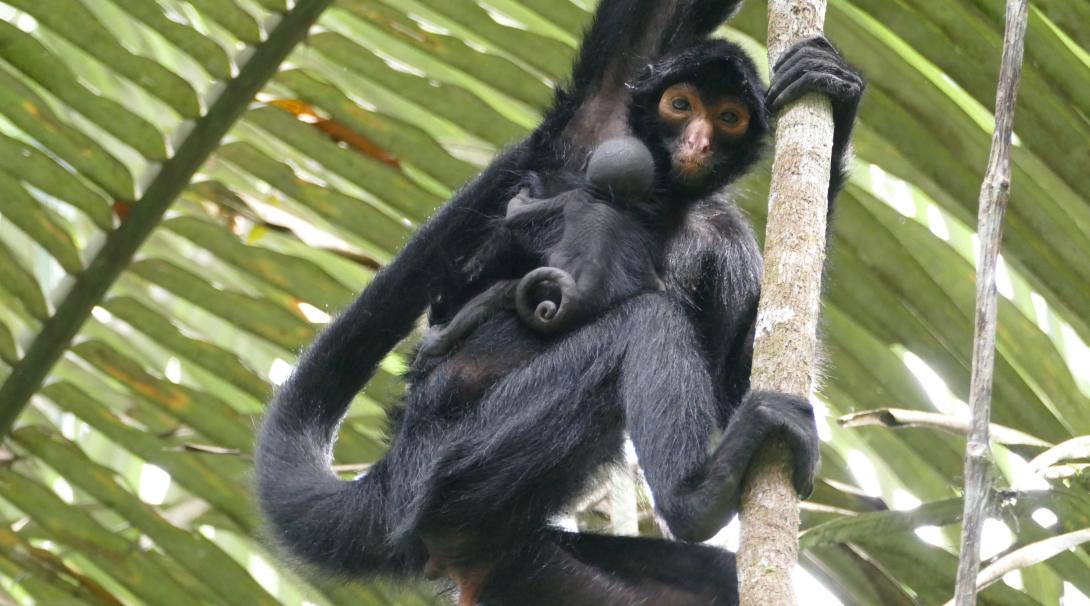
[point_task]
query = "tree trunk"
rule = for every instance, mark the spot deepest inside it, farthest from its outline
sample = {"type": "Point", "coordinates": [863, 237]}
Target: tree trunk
{"type": "Point", "coordinates": [994, 194]}
{"type": "Point", "coordinates": [785, 347]}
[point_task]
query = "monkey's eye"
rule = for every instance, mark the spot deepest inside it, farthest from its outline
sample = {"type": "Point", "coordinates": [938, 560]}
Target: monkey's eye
{"type": "Point", "coordinates": [730, 117]}
{"type": "Point", "coordinates": [681, 104]}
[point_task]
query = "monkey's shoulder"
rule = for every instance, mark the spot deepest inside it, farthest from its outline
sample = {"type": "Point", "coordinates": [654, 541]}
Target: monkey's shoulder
{"type": "Point", "coordinates": [711, 224]}
{"type": "Point", "coordinates": [713, 235]}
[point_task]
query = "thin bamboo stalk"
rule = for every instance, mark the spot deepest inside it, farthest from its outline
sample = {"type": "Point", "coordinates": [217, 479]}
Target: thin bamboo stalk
{"type": "Point", "coordinates": [994, 196]}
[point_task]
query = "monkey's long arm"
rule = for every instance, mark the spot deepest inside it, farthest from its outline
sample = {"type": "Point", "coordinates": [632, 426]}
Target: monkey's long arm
{"type": "Point", "coordinates": [626, 34]}
{"type": "Point", "coordinates": [674, 399]}
{"type": "Point", "coordinates": [701, 500]}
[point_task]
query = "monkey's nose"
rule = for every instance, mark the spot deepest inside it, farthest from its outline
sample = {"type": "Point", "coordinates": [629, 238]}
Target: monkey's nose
{"type": "Point", "coordinates": [700, 144]}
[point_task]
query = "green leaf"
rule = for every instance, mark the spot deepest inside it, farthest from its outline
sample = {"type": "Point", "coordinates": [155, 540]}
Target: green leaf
{"type": "Point", "coordinates": [33, 59]}
{"type": "Point", "coordinates": [198, 555]}
{"type": "Point", "coordinates": [39, 223]}
{"type": "Point", "coordinates": [363, 220]}
{"type": "Point", "coordinates": [35, 168]}
{"type": "Point", "coordinates": [215, 478]}
{"type": "Point", "coordinates": [79, 26]}
{"type": "Point", "coordinates": [20, 282]}
{"type": "Point", "coordinates": [256, 316]}
{"type": "Point", "coordinates": [33, 116]}
{"type": "Point", "coordinates": [214, 359]}
{"type": "Point", "coordinates": [386, 133]}
{"type": "Point", "coordinates": [168, 183]}
{"type": "Point", "coordinates": [205, 413]}
{"type": "Point", "coordinates": [859, 527]}
{"type": "Point", "coordinates": [207, 53]}
{"type": "Point", "coordinates": [302, 279]}
{"type": "Point", "coordinates": [393, 33]}
{"type": "Point", "coordinates": [78, 530]}
{"type": "Point", "coordinates": [8, 351]}
{"type": "Point", "coordinates": [45, 576]}
{"type": "Point", "coordinates": [241, 24]}
{"type": "Point", "coordinates": [387, 184]}
{"type": "Point", "coordinates": [451, 102]}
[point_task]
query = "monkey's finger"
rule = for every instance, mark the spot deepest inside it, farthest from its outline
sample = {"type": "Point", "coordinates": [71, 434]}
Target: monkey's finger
{"type": "Point", "coordinates": [792, 418]}
{"type": "Point", "coordinates": [801, 64]}
{"type": "Point", "coordinates": [818, 65]}
{"type": "Point", "coordinates": [807, 45]}
{"type": "Point", "coordinates": [812, 59]}
{"type": "Point", "coordinates": [794, 69]}
{"type": "Point", "coordinates": [805, 445]}
{"type": "Point", "coordinates": [799, 432]}
{"type": "Point", "coordinates": [837, 88]}
{"type": "Point", "coordinates": [817, 43]}
{"type": "Point", "coordinates": [832, 86]}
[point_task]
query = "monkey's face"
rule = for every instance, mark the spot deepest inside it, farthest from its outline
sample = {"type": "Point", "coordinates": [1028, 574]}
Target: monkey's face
{"type": "Point", "coordinates": [698, 130]}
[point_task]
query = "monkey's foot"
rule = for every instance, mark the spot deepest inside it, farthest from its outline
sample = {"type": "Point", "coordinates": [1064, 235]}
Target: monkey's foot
{"type": "Point", "coordinates": [520, 203]}
{"type": "Point", "coordinates": [435, 342]}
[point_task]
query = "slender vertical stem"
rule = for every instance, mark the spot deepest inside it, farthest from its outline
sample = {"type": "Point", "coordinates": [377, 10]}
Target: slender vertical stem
{"type": "Point", "coordinates": [785, 346]}
{"type": "Point", "coordinates": [994, 195]}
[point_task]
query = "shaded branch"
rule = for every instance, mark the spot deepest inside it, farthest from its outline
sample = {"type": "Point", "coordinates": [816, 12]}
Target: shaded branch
{"type": "Point", "coordinates": [1029, 555]}
{"type": "Point", "coordinates": [899, 417]}
{"type": "Point", "coordinates": [994, 196]}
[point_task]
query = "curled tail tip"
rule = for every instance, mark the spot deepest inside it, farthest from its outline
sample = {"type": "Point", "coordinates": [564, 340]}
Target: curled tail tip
{"type": "Point", "coordinates": [545, 298]}
{"type": "Point", "coordinates": [546, 311]}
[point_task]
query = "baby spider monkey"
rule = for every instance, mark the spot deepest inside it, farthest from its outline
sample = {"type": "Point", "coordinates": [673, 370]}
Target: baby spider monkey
{"type": "Point", "coordinates": [592, 240]}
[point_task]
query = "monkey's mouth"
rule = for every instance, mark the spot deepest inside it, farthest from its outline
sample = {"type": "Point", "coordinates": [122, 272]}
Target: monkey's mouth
{"type": "Point", "coordinates": [691, 167]}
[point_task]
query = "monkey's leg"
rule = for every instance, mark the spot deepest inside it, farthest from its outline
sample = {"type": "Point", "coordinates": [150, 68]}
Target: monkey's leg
{"type": "Point", "coordinates": [531, 441]}
{"type": "Point", "coordinates": [446, 559]}
{"type": "Point", "coordinates": [440, 339]}
{"type": "Point", "coordinates": [670, 411]}
{"type": "Point", "coordinates": [660, 570]}
{"type": "Point", "coordinates": [516, 457]}
{"type": "Point", "coordinates": [527, 447]}
{"type": "Point", "coordinates": [552, 567]}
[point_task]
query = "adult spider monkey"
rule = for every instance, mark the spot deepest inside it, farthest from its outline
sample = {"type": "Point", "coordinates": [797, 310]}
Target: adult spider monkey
{"type": "Point", "coordinates": [502, 432]}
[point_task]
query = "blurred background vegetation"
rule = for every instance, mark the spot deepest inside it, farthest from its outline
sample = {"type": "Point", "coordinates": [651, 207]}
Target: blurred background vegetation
{"type": "Point", "coordinates": [188, 189]}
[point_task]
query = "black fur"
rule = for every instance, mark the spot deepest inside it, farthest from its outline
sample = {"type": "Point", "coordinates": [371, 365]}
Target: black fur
{"type": "Point", "coordinates": [502, 432]}
{"type": "Point", "coordinates": [586, 250]}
